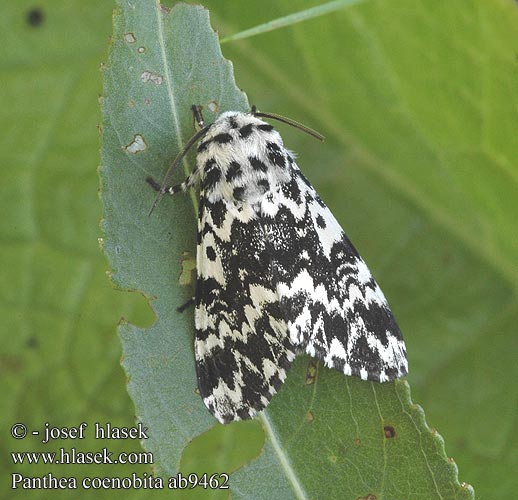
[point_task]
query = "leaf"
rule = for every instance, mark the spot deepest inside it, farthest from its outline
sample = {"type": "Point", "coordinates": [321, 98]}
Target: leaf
{"type": "Point", "coordinates": [333, 436]}
{"type": "Point", "coordinates": [159, 65]}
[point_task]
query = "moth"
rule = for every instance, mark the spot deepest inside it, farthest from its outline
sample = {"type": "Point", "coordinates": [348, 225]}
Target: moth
{"type": "Point", "coordinates": [276, 274]}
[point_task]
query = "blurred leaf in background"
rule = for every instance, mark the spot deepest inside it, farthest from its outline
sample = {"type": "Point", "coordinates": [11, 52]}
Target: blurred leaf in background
{"type": "Point", "coordinates": [418, 103]}
{"type": "Point", "coordinates": [60, 357]}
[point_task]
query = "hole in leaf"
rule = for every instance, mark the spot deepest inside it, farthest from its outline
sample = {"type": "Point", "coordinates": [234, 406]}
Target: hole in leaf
{"type": "Point", "coordinates": [223, 448]}
{"type": "Point", "coordinates": [213, 106]}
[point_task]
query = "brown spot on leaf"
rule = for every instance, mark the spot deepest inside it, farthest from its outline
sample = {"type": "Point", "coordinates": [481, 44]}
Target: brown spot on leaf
{"type": "Point", "coordinates": [310, 417]}
{"type": "Point", "coordinates": [389, 431]}
{"type": "Point", "coordinates": [32, 342]}
{"type": "Point", "coordinates": [311, 372]}
{"type": "Point", "coordinates": [369, 496]}
{"type": "Point", "coordinates": [10, 364]}
{"type": "Point", "coordinates": [35, 17]}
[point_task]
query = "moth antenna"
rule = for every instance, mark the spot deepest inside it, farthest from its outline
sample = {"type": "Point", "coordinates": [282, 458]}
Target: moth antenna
{"type": "Point", "coordinates": [289, 121]}
{"type": "Point", "coordinates": [196, 137]}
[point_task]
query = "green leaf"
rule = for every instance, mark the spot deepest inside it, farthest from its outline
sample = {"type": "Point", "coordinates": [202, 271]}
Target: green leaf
{"type": "Point", "coordinates": [331, 437]}
{"type": "Point", "coordinates": [344, 438]}
{"type": "Point", "coordinates": [159, 65]}
{"type": "Point", "coordinates": [291, 19]}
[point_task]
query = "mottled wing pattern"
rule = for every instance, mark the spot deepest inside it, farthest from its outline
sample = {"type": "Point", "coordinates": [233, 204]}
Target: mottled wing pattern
{"type": "Point", "coordinates": [334, 308]}
{"type": "Point", "coordinates": [242, 348]}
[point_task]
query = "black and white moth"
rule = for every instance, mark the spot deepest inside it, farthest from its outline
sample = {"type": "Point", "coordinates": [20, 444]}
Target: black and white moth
{"type": "Point", "coordinates": [277, 276]}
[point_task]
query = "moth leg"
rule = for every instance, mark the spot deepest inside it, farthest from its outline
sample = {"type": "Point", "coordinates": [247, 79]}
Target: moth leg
{"type": "Point", "coordinates": [169, 189]}
{"type": "Point", "coordinates": [189, 303]}
{"type": "Point", "coordinates": [183, 186]}
{"type": "Point", "coordinates": [154, 184]}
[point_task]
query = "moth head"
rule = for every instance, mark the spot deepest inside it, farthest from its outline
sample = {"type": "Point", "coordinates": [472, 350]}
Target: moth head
{"type": "Point", "coordinates": [216, 130]}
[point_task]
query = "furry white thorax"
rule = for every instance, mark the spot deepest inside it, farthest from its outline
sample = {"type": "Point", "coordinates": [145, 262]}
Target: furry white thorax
{"type": "Point", "coordinates": [239, 150]}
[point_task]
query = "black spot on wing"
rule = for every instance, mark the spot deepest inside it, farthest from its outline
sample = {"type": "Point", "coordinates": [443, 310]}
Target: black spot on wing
{"type": "Point", "coordinates": [363, 355]}
{"type": "Point", "coordinates": [304, 179]}
{"type": "Point", "coordinates": [292, 191]}
{"type": "Point", "coordinates": [257, 164]}
{"type": "Point", "coordinates": [202, 146]}
{"type": "Point", "coordinates": [275, 154]}
{"type": "Point", "coordinates": [222, 138]}
{"type": "Point", "coordinates": [245, 131]}
{"type": "Point", "coordinates": [239, 193]}
{"type": "Point", "coordinates": [222, 366]}
{"type": "Point", "coordinates": [207, 290]}
{"type": "Point", "coordinates": [232, 122]}
{"type": "Point", "coordinates": [217, 211]}
{"type": "Point", "coordinates": [211, 174]}
{"type": "Point", "coordinates": [233, 171]}
{"type": "Point", "coordinates": [321, 223]}
{"type": "Point", "coordinates": [265, 127]}
{"type": "Point", "coordinates": [211, 253]}
{"type": "Point", "coordinates": [379, 320]}
{"type": "Point", "coordinates": [264, 184]}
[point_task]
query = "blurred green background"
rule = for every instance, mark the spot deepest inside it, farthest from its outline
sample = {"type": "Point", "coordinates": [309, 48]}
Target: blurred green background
{"type": "Point", "coordinates": [418, 101]}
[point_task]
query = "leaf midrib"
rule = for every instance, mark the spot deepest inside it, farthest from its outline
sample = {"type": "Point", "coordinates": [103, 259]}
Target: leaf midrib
{"type": "Point", "coordinates": [180, 142]}
{"type": "Point", "coordinates": [282, 456]}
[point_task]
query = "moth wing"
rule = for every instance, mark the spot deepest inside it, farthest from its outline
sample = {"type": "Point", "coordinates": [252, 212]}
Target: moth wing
{"type": "Point", "coordinates": [242, 347]}
{"type": "Point", "coordinates": [333, 307]}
